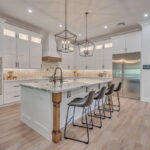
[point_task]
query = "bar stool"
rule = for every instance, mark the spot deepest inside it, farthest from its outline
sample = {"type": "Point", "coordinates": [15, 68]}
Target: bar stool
{"type": "Point", "coordinates": [117, 90]}
{"type": "Point", "coordinates": [109, 102]}
{"type": "Point", "coordinates": [84, 103]}
{"type": "Point", "coordinates": [99, 97]}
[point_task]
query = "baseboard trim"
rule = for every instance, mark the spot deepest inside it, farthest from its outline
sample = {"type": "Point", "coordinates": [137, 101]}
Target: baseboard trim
{"type": "Point", "coordinates": [38, 127]}
{"type": "Point", "coordinates": [145, 99]}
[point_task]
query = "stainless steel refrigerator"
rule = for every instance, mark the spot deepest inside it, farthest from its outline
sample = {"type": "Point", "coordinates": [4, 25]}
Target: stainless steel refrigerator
{"type": "Point", "coordinates": [126, 68]}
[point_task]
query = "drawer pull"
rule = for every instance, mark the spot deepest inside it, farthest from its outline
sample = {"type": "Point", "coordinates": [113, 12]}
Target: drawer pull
{"type": "Point", "coordinates": [17, 96]}
{"type": "Point", "coordinates": [16, 86]}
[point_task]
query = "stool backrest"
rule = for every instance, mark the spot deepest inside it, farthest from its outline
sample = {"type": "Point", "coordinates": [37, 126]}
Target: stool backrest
{"type": "Point", "coordinates": [119, 86]}
{"type": "Point", "coordinates": [111, 89]}
{"type": "Point", "coordinates": [101, 93]}
{"type": "Point", "coordinates": [90, 98]}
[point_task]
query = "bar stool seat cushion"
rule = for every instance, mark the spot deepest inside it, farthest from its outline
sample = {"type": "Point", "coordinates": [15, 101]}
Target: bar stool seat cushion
{"type": "Point", "coordinates": [79, 102]}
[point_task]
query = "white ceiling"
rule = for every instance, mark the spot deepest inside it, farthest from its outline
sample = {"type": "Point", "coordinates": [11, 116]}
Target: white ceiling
{"type": "Point", "coordinates": [48, 14]}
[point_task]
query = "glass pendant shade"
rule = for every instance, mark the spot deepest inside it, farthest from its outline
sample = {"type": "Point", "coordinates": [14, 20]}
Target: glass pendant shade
{"type": "Point", "coordinates": [86, 48]}
{"type": "Point", "coordinates": [65, 40]}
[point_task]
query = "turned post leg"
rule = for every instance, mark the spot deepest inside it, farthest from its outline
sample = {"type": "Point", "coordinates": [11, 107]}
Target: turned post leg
{"type": "Point", "coordinates": [56, 133]}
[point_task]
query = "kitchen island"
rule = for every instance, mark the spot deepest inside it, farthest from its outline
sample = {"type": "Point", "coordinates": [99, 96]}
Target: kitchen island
{"type": "Point", "coordinates": [44, 104]}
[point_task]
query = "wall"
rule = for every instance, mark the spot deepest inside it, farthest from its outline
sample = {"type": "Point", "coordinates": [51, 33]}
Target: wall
{"type": "Point", "coordinates": [46, 71]}
{"type": "Point", "coordinates": [145, 74]}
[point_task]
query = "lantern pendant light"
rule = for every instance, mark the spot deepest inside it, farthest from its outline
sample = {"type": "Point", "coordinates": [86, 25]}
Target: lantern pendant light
{"type": "Point", "coordinates": [86, 48]}
{"type": "Point", "coordinates": [65, 40]}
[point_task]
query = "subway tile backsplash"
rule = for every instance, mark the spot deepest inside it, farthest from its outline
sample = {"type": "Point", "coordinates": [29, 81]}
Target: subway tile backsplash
{"type": "Point", "coordinates": [47, 70]}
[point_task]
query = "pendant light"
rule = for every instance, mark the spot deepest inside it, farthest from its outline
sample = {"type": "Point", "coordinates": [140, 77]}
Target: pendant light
{"type": "Point", "coordinates": [86, 48]}
{"type": "Point", "coordinates": [65, 40]}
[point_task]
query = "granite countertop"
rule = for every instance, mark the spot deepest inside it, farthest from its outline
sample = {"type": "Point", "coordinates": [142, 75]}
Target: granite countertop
{"type": "Point", "coordinates": [66, 85]}
{"type": "Point", "coordinates": [19, 80]}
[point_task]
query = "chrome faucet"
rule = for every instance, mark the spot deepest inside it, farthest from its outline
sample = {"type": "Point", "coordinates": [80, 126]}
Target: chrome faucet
{"type": "Point", "coordinates": [61, 75]}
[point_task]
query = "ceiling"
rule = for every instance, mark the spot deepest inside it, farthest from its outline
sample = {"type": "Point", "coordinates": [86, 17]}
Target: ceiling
{"type": "Point", "coordinates": [48, 14]}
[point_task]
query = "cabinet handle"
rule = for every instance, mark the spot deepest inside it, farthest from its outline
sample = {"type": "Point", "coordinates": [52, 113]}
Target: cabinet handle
{"type": "Point", "coordinates": [17, 96]}
{"type": "Point", "coordinates": [16, 64]}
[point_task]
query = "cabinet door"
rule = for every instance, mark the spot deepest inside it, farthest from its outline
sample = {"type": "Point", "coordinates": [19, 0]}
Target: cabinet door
{"type": "Point", "coordinates": [119, 45]}
{"type": "Point", "coordinates": [23, 53]}
{"type": "Point", "coordinates": [35, 55]}
{"type": "Point", "coordinates": [9, 52]}
{"type": "Point", "coordinates": [107, 58]}
{"type": "Point", "coordinates": [133, 42]}
{"type": "Point", "coordinates": [65, 61]}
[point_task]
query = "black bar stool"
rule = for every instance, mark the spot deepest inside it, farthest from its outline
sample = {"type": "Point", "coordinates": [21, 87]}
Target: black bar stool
{"type": "Point", "coordinates": [84, 103]}
{"type": "Point", "coordinates": [99, 97]}
{"type": "Point", "coordinates": [117, 90]}
{"type": "Point", "coordinates": [108, 101]}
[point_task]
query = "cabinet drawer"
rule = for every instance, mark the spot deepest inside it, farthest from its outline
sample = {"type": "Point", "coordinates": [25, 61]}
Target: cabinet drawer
{"type": "Point", "coordinates": [12, 86]}
{"type": "Point", "coordinates": [12, 96]}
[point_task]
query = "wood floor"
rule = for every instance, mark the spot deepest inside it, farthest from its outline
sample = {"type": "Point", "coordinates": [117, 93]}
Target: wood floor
{"type": "Point", "coordinates": [128, 129]}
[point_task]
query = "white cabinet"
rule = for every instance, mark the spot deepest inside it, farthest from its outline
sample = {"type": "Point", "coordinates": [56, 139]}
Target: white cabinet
{"type": "Point", "coordinates": [107, 58]}
{"type": "Point", "coordinates": [9, 51]}
{"type": "Point", "coordinates": [119, 45]}
{"type": "Point", "coordinates": [21, 48]}
{"type": "Point", "coordinates": [35, 53]}
{"type": "Point", "coordinates": [22, 53]}
{"type": "Point", "coordinates": [68, 61]}
{"type": "Point", "coordinates": [127, 43]}
{"type": "Point", "coordinates": [133, 42]}
{"type": "Point", "coordinates": [12, 90]}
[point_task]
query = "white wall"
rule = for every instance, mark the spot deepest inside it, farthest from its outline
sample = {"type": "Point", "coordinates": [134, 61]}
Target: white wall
{"type": "Point", "coordinates": [145, 74]}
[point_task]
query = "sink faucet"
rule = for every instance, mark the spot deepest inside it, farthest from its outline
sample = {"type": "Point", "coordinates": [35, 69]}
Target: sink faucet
{"type": "Point", "coordinates": [61, 78]}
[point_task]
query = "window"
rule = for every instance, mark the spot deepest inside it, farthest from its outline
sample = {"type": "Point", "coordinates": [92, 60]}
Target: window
{"type": "Point", "coordinates": [99, 46]}
{"type": "Point", "coordinates": [23, 36]}
{"type": "Point", "coordinates": [35, 40]}
{"type": "Point", "coordinates": [108, 45]}
{"type": "Point", "coordinates": [9, 33]}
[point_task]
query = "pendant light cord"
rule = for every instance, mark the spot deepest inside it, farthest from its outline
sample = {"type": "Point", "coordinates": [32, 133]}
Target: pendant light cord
{"type": "Point", "coordinates": [86, 24]}
{"type": "Point", "coordinates": [65, 14]}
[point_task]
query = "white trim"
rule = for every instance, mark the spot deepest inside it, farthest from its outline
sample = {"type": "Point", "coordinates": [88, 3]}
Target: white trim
{"type": "Point", "coordinates": [145, 99]}
{"type": "Point", "coordinates": [38, 127]}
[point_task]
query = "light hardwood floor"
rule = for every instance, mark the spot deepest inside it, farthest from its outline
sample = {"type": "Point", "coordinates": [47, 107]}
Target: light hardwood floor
{"type": "Point", "coordinates": [128, 129]}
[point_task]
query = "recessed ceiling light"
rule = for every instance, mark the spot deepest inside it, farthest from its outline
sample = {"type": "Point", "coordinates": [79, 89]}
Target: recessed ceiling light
{"type": "Point", "coordinates": [60, 25]}
{"type": "Point", "coordinates": [105, 27]}
{"type": "Point", "coordinates": [29, 10]}
{"type": "Point", "coordinates": [79, 34]}
{"type": "Point", "coordinates": [146, 15]}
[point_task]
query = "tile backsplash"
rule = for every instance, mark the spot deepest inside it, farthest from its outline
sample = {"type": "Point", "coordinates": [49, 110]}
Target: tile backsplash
{"type": "Point", "coordinates": [47, 70]}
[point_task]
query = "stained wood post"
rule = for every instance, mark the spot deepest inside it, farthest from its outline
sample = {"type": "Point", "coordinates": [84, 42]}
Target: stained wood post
{"type": "Point", "coordinates": [56, 133]}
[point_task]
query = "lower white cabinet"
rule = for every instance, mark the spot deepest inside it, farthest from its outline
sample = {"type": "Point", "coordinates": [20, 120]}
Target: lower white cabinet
{"type": "Point", "coordinates": [12, 90]}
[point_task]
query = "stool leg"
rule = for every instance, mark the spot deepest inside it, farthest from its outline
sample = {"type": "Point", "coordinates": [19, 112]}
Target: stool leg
{"type": "Point", "coordinates": [91, 117]}
{"type": "Point", "coordinates": [100, 115]}
{"type": "Point", "coordinates": [103, 106]}
{"type": "Point", "coordinates": [66, 122]}
{"type": "Point", "coordinates": [108, 110]}
{"type": "Point", "coordinates": [73, 115]}
{"type": "Point", "coordinates": [87, 129]}
{"type": "Point", "coordinates": [118, 100]}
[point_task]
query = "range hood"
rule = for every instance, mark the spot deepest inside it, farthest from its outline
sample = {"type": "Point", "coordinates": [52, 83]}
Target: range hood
{"type": "Point", "coordinates": [49, 49]}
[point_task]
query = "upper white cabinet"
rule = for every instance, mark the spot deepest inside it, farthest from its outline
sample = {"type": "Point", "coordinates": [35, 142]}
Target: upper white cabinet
{"type": "Point", "coordinates": [68, 61]}
{"type": "Point", "coordinates": [9, 48]}
{"type": "Point", "coordinates": [21, 48]}
{"type": "Point", "coordinates": [35, 52]}
{"type": "Point", "coordinates": [127, 43]}
{"type": "Point", "coordinates": [133, 42]}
